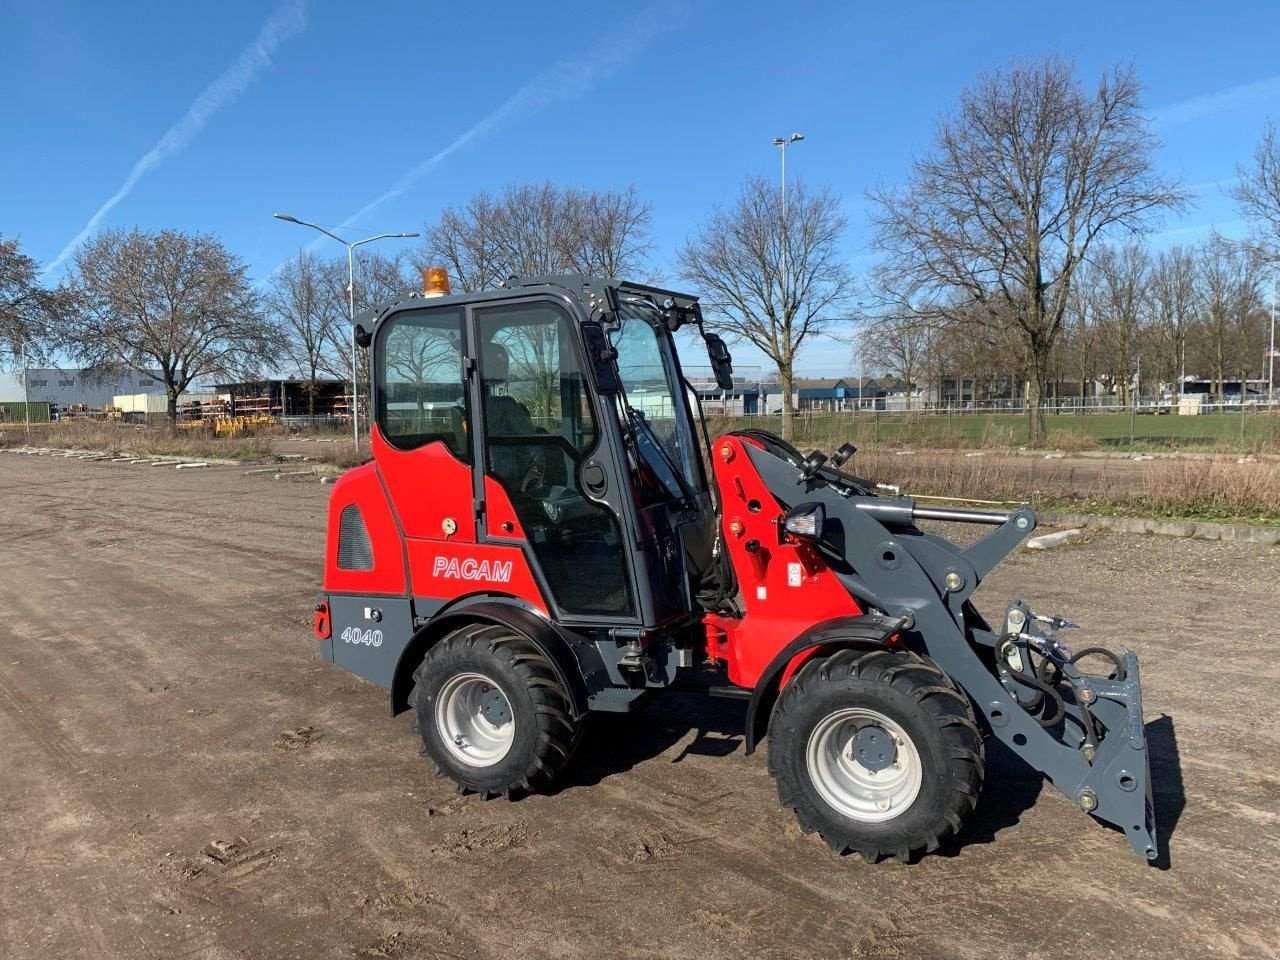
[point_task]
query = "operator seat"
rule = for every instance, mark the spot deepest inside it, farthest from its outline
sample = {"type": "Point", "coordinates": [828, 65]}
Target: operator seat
{"type": "Point", "coordinates": [518, 466]}
{"type": "Point", "coordinates": [504, 415]}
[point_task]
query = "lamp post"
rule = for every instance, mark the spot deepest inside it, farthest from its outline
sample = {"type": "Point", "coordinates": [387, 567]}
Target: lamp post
{"type": "Point", "coordinates": [782, 143]}
{"type": "Point", "coordinates": [351, 305]}
{"type": "Point", "coordinates": [1271, 350]}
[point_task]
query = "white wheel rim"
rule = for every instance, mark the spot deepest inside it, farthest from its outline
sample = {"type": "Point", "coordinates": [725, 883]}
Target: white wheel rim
{"type": "Point", "coordinates": [857, 792]}
{"type": "Point", "coordinates": [467, 732]}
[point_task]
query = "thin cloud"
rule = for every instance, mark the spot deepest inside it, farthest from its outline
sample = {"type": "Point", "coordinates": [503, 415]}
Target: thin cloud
{"type": "Point", "coordinates": [1208, 185]}
{"type": "Point", "coordinates": [1220, 101]}
{"type": "Point", "coordinates": [285, 23]}
{"type": "Point", "coordinates": [1229, 228]}
{"type": "Point", "coordinates": [568, 79]}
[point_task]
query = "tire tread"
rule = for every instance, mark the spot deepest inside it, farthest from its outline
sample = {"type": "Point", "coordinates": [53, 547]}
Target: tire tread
{"type": "Point", "coordinates": [924, 682]}
{"type": "Point", "coordinates": [558, 733]}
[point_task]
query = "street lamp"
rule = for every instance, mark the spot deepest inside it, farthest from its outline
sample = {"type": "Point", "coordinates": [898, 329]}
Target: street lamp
{"type": "Point", "coordinates": [782, 143]}
{"type": "Point", "coordinates": [1271, 350]}
{"type": "Point", "coordinates": [351, 304]}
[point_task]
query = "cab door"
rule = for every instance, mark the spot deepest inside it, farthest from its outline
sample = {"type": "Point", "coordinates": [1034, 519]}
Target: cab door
{"type": "Point", "coordinates": [420, 440]}
{"type": "Point", "coordinates": [542, 442]}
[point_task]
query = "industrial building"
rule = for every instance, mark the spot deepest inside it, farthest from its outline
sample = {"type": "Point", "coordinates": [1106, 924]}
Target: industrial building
{"type": "Point", "coordinates": [66, 387]}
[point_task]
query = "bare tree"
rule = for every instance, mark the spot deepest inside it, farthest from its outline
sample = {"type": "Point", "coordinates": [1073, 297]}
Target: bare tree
{"type": "Point", "coordinates": [535, 229]}
{"type": "Point", "coordinates": [1122, 312]}
{"type": "Point", "coordinates": [1257, 193]}
{"type": "Point", "coordinates": [1229, 294]}
{"type": "Point", "coordinates": [770, 281]}
{"type": "Point", "coordinates": [28, 311]}
{"type": "Point", "coordinates": [1081, 334]}
{"type": "Point", "coordinates": [900, 346]}
{"type": "Point", "coordinates": [1174, 294]}
{"type": "Point", "coordinates": [1022, 180]}
{"type": "Point", "coordinates": [464, 240]}
{"type": "Point", "coordinates": [608, 233]}
{"type": "Point", "coordinates": [379, 278]}
{"type": "Point", "coordinates": [172, 305]}
{"type": "Point", "coordinates": [309, 318]}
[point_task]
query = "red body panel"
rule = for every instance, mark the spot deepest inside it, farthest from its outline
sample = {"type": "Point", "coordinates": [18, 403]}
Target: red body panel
{"type": "Point", "coordinates": [428, 486]}
{"type": "Point", "coordinates": [362, 487]}
{"type": "Point", "coordinates": [446, 570]}
{"type": "Point", "coordinates": [502, 518]}
{"type": "Point", "coordinates": [785, 584]}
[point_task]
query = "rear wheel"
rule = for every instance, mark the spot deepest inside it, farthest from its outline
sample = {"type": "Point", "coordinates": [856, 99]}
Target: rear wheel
{"type": "Point", "coordinates": [876, 751]}
{"type": "Point", "coordinates": [491, 713]}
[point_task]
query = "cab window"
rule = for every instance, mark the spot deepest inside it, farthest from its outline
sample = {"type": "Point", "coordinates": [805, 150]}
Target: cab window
{"type": "Point", "coordinates": [420, 386]}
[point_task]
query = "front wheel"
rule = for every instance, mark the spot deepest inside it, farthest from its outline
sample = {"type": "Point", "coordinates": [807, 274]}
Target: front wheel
{"type": "Point", "coordinates": [876, 751]}
{"type": "Point", "coordinates": [491, 713]}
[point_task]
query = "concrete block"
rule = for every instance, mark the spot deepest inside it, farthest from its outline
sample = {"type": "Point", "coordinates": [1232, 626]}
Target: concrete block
{"type": "Point", "coordinates": [1051, 540]}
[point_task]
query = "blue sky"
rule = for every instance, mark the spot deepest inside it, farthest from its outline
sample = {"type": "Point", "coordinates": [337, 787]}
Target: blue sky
{"type": "Point", "coordinates": [211, 116]}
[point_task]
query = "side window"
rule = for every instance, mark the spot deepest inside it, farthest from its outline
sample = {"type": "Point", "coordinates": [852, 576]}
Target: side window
{"type": "Point", "coordinates": [421, 389]}
{"type": "Point", "coordinates": [531, 376]}
{"type": "Point", "coordinates": [538, 428]}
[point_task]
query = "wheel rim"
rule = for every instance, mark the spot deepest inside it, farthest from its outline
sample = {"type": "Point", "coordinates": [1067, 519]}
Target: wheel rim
{"type": "Point", "coordinates": [475, 720]}
{"type": "Point", "coordinates": [855, 790]}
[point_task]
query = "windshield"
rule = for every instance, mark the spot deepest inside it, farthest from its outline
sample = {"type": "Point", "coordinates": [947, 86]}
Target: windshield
{"type": "Point", "coordinates": [653, 394]}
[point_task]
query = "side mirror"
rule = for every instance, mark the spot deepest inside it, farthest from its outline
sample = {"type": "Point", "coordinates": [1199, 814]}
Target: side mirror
{"type": "Point", "coordinates": [601, 355]}
{"type": "Point", "coordinates": [363, 337]}
{"type": "Point", "coordinates": [805, 520]}
{"type": "Point", "coordinates": [841, 456]}
{"type": "Point", "coordinates": [721, 361]}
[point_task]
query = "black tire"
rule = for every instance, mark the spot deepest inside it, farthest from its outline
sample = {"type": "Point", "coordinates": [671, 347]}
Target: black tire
{"type": "Point", "coordinates": [545, 732]}
{"type": "Point", "coordinates": [921, 700]}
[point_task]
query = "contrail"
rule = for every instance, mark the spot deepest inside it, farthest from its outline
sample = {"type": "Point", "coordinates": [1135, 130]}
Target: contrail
{"type": "Point", "coordinates": [286, 22]}
{"type": "Point", "coordinates": [565, 80]}
{"type": "Point", "coordinates": [568, 79]}
{"type": "Point", "coordinates": [1209, 104]}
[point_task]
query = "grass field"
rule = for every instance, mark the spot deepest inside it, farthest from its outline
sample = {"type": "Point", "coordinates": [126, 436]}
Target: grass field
{"type": "Point", "coordinates": [1253, 432]}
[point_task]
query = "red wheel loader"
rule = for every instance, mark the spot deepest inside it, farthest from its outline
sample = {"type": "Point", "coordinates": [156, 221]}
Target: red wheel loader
{"type": "Point", "coordinates": [537, 538]}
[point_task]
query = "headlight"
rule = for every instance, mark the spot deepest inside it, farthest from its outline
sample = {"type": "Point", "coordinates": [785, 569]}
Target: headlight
{"type": "Point", "coordinates": [805, 520]}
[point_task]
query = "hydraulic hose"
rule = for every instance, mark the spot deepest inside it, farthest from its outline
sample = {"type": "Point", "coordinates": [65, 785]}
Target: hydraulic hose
{"type": "Point", "coordinates": [1045, 693]}
{"type": "Point", "coordinates": [1116, 674]}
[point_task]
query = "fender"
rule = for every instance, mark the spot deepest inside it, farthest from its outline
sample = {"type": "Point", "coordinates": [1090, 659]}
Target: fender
{"type": "Point", "coordinates": [868, 630]}
{"type": "Point", "coordinates": [542, 634]}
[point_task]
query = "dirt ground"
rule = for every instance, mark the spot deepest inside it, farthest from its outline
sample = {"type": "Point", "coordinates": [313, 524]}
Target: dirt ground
{"type": "Point", "coordinates": [181, 776]}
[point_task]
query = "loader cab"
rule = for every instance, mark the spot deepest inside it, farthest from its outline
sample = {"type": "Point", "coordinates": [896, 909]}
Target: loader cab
{"type": "Point", "coordinates": [547, 418]}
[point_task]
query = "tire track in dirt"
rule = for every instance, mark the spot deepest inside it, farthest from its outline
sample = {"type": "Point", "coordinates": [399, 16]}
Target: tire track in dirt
{"type": "Point", "coordinates": [62, 800]}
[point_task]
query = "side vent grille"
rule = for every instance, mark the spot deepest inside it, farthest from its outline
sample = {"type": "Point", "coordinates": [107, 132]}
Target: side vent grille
{"type": "Point", "coordinates": [354, 550]}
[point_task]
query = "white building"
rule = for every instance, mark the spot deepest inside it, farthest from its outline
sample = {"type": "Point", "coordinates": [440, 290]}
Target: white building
{"type": "Point", "coordinates": [64, 387]}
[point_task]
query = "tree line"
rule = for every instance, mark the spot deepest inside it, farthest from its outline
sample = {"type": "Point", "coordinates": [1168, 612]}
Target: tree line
{"type": "Point", "coordinates": [1012, 250]}
{"type": "Point", "coordinates": [1135, 320]}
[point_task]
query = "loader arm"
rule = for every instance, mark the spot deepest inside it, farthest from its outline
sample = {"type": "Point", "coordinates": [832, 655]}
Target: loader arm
{"type": "Point", "coordinates": [926, 582]}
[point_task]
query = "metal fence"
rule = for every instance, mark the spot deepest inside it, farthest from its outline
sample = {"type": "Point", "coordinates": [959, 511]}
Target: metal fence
{"type": "Point", "coordinates": [894, 406]}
